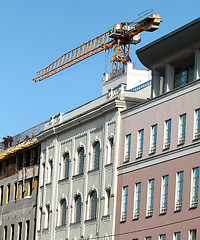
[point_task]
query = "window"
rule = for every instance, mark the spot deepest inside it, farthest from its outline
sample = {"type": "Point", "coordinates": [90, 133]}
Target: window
{"type": "Point", "coordinates": [27, 230]}
{"type": "Point", "coordinates": [148, 238]}
{"type": "Point", "coordinates": [140, 143]}
{"type": "Point", "coordinates": [63, 212]}
{"type": "Point", "coordinates": [80, 166]}
{"type": "Point", "coordinates": [19, 231]}
{"type": "Point", "coordinates": [107, 202]}
{"type": "Point", "coordinates": [183, 76]}
{"type": "Point", "coordinates": [15, 191]}
{"type": "Point", "coordinates": [65, 166]}
{"type": "Point", "coordinates": [197, 124]}
{"type": "Point", "coordinates": [1, 195]}
{"type": "Point", "coordinates": [177, 236]}
{"type": "Point", "coordinates": [124, 203]}
{"type": "Point", "coordinates": [182, 129]}
{"type": "Point", "coordinates": [96, 155]}
{"type": "Point", "coordinates": [77, 209]}
{"type": "Point", "coordinates": [8, 193]}
{"type": "Point", "coordinates": [47, 217]}
{"type": "Point", "coordinates": [167, 135]}
{"type": "Point", "coordinates": [12, 232]}
{"type": "Point", "coordinates": [21, 190]}
{"type": "Point", "coordinates": [5, 233]}
{"type": "Point", "coordinates": [127, 147]}
{"type": "Point", "coordinates": [40, 219]}
{"type": "Point", "coordinates": [153, 138]}
{"type": "Point", "coordinates": [43, 174]}
{"type": "Point", "coordinates": [162, 237]}
{"type": "Point", "coordinates": [193, 234]}
{"type": "Point", "coordinates": [164, 194]}
{"type": "Point", "coordinates": [194, 187]}
{"type": "Point", "coordinates": [150, 197]}
{"type": "Point", "coordinates": [110, 156]}
{"type": "Point", "coordinates": [50, 171]}
{"type": "Point", "coordinates": [93, 205]}
{"type": "Point", "coordinates": [30, 186]}
{"type": "Point", "coordinates": [179, 191]}
{"type": "Point", "coordinates": [137, 196]}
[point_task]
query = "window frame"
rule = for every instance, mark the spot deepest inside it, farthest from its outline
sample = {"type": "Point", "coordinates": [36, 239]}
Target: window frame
{"type": "Point", "coordinates": [182, 128]}
{"type": "Point", "coordinates": [140, 143]}
{"type": "Point", "coordinates": [153, 140]}
{"type": "Point", "coordinates": [163, 204]}
{"type": "Point", "coordinates": [167, 133]}
{"type": "Point", "coordinates": [127, 147]}
{"type": "Point", "coordinates": [178, 205]}
{"type": "Point", "coordinates": [194, 203]}
{"type": "Point", "coordinates": [137, 200]}
{"type": "Point", "coordinates": [196, 134]}
{"type": "Point", "coordinates": [124, 203]}
{"type": "Point", "coordinates": [150, 196]}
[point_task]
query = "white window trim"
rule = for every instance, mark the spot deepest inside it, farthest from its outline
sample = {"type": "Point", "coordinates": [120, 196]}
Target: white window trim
{"type": "Point", "coordinates": [195, 125]}
{"type": "Point", "coordinates": [180, 139]}
{"type": "Point", "coordinates": [139, 152]}
{"type": "Point", "coordinates": [192, 188]}
{"type": "Point", "coordinates": [162, 193]}
{"type": "Point", "coordinates": [148, 198]}
{"type": "Point", "coordinates": [166, 145]}
{"type": "Point", "coordinates": [126, 156]}
{"type": "Point", "coordinates": [122, 204]}
{"type": "Point", "coordinates": [136, 215]}
{"type": "Point", "coordinates": [152, 149]}
{"type": "Point", "coordinates": [176, 192]}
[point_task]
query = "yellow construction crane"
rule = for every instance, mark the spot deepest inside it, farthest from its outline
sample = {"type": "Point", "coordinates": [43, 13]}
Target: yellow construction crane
{"type": "Point", "coordinates": [118, 38]}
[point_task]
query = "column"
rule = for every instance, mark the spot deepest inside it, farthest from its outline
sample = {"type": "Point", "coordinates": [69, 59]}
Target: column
{"type": "Point", "coordinates": [155, 86]}
{"type": "Point", "coordinates": [169, 78]}
{"type": "Point", "coordinates": [197, 65]}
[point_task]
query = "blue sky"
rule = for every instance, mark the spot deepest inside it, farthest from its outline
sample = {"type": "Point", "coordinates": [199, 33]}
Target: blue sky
{"type": "Point", "coordinates": [35, 33]}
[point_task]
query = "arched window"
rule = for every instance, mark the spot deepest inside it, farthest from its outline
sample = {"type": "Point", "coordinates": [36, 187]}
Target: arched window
{"type": "Point", "coordinates": [96, 155]}
{"type": "Point", "coordinates": [66, 166]}
{"type": "Point", "coordinates": [80, 163]}
{"type": "Point", "coordinates": [93, 205]}
{"type": "Point", "coordinates": [77, 209]}
{"type": "Point", "coordinates": [47, 218]}
{"type": "Point", "coordinates": [110, 155]}
{"type": "Point", "coordinates": [107, 202]}
{"type": "Point", "coordinates": [63, 212]}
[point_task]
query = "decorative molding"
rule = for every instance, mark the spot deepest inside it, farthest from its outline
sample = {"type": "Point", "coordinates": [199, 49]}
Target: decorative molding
{"type": "Point", "coordinates": [112, 121]}
{"type": "Point", "coordinates": [66, 141]}
{"type": "Point", "coordinates": [81, 135]}
{"type": "Point", "coordinates": [56, 119]}
{"type": "Point", "coordinates": [95, 129]}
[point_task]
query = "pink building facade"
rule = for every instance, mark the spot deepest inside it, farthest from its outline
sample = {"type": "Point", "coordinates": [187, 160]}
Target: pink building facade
{"type": "Point", "coordinates": [158, 173]}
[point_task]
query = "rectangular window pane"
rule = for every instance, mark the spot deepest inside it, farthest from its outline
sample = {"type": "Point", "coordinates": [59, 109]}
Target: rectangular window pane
{"type": "Point", "coordinates": [153, 138]}
{"type": "Point", "coordinates": [182, 129]}
{"type": "Point", "coordinates": [124, 203]}
{"type": "Point", "coordinates": [193, 235]}
{"type": "Point", "coordinates": [150, 197]}
{"type": "Point", "coordinates": [195, 187]}
{"type": "Point", "coordinates": [179, 191]}
{"type": "Point", "coordinates": [163, 237]}
{"type": "Point", "coordinates": [127, 147]}
{"type": "Point", "coordinates": [167, 134]}
{"type": "Point", "coordinates": [177, 236]}
{"type": "Point", "coordinates": [164, 194]}
{"type": "Point", "coordinates": [140, 143]}
{"type": "Point", "coordinates": [137, 198]}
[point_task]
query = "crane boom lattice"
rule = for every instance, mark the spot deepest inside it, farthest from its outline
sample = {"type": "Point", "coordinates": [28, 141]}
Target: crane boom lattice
{"type": "Point", "coordinates": [118, 38]}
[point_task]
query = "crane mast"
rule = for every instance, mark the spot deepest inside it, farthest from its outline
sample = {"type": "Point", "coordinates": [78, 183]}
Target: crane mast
{"type": "Point", "coordinates": [118, 39]}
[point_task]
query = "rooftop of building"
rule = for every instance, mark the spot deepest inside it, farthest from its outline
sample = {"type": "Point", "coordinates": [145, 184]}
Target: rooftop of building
{"type": "Point", "coordinates": [176, 48]}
